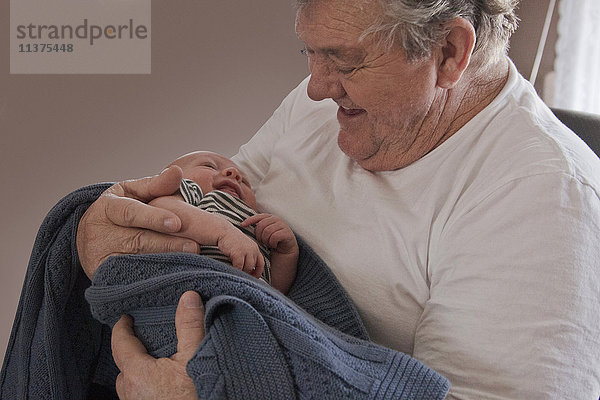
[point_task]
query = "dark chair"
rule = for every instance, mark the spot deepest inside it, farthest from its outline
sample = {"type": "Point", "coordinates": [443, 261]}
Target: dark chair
{"type": "Point", "coordinates": [586, 126]}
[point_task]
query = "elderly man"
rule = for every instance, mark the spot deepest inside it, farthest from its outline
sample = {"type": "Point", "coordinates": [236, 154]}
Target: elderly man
{"type": "Point", "coordinates": [459, 214]}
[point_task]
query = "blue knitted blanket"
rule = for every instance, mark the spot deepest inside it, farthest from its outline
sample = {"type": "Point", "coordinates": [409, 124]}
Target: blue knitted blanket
{"type": "Point", "coordinates": [259, 344]}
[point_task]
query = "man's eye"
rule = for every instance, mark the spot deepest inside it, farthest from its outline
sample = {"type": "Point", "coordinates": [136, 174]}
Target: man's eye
{"type": "Point", "coordinates": [346, 70]}
{"type": "Point", "coordinates": [306, 52]}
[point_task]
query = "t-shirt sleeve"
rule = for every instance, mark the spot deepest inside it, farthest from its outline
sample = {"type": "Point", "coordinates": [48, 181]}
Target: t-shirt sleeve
{"type": "Point", "coordinates": [514, 307]}
{"type": "Point", "coordinates": [254, 157]}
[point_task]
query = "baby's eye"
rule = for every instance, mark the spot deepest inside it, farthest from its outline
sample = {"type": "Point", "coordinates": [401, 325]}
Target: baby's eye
{"type": "Point", "coordinates": [209, 165]}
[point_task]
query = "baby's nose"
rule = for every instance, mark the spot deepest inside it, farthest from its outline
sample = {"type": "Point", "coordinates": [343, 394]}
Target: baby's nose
{"type": "Point", "coordinates": [232, 172]}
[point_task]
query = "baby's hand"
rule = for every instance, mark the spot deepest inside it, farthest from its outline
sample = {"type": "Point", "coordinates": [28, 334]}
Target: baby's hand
{"type": "Point", "coordinates": [273, 232]}
{"type": "Point", "coordinates": [242, 251]}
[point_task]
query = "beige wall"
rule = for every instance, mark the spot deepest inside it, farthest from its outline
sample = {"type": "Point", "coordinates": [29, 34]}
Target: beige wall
{"type": "Point", "coordinates": [219, 69]}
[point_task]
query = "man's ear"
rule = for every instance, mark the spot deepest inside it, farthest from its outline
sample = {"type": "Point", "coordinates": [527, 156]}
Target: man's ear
{"type": "Point", "coordinates": [455, 52]}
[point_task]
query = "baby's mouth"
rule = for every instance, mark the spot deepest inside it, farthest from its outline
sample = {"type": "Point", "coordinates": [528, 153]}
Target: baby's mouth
{"type": "Point", "coordinates": [230, 189]}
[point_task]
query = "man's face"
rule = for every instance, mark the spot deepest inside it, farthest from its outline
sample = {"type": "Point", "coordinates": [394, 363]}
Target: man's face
{"type": "Point", "coordinates": [383, 99]}
{"type": "Point", "coordinates": [212, 171]}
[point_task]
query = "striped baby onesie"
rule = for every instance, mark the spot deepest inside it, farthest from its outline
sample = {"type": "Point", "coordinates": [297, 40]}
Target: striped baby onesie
{"type": "Point", "coordinates": [229, 207]}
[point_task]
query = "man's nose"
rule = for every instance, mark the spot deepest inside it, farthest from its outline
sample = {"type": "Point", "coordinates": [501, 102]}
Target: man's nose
{"type": "Point", "coordinates": [324, 83]}
{"type": "Point", "coordinates": [233, 173]}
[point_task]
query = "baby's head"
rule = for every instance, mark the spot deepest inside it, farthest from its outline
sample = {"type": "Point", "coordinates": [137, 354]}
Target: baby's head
{"type": "Point", "coordinates": [212, 171]}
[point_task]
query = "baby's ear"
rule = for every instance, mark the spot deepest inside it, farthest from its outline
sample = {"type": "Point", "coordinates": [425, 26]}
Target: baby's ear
{"type": "Point", "coordinates": [455, 53]}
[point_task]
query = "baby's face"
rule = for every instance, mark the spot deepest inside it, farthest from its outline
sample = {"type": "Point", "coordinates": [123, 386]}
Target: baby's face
{"type": "Point", "coordinates": [212, 171]}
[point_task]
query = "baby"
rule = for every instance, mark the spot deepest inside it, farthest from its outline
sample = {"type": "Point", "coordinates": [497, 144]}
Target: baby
{"type": "Point", "coordinates": [217, 197]}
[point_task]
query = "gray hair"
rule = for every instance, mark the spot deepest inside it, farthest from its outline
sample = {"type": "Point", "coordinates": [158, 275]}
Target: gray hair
{"type": "Point", "coordinates": [418, 25]}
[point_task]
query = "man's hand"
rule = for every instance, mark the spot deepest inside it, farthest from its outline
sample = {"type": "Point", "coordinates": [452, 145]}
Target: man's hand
{"type": "Point", "coordinates": [119, 222]}
{"type": "Point", "coordinates": [145, 377]}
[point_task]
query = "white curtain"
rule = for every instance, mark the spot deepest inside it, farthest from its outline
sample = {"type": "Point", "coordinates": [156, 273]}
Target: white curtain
{"type": "Point", "coordinates": [577, 63]}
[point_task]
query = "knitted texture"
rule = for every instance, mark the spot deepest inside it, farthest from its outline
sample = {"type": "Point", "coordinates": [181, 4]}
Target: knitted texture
{"type": "Point", "coordinates": [121, 286]}
{"type": "Point", "coordinates": [259, 344]}
{"type": "Point", "coordinates": [55, 343]}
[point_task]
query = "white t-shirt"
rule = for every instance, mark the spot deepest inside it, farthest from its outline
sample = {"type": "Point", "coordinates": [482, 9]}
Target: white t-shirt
{"type": "Point", "coordinates": [481, 259]}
